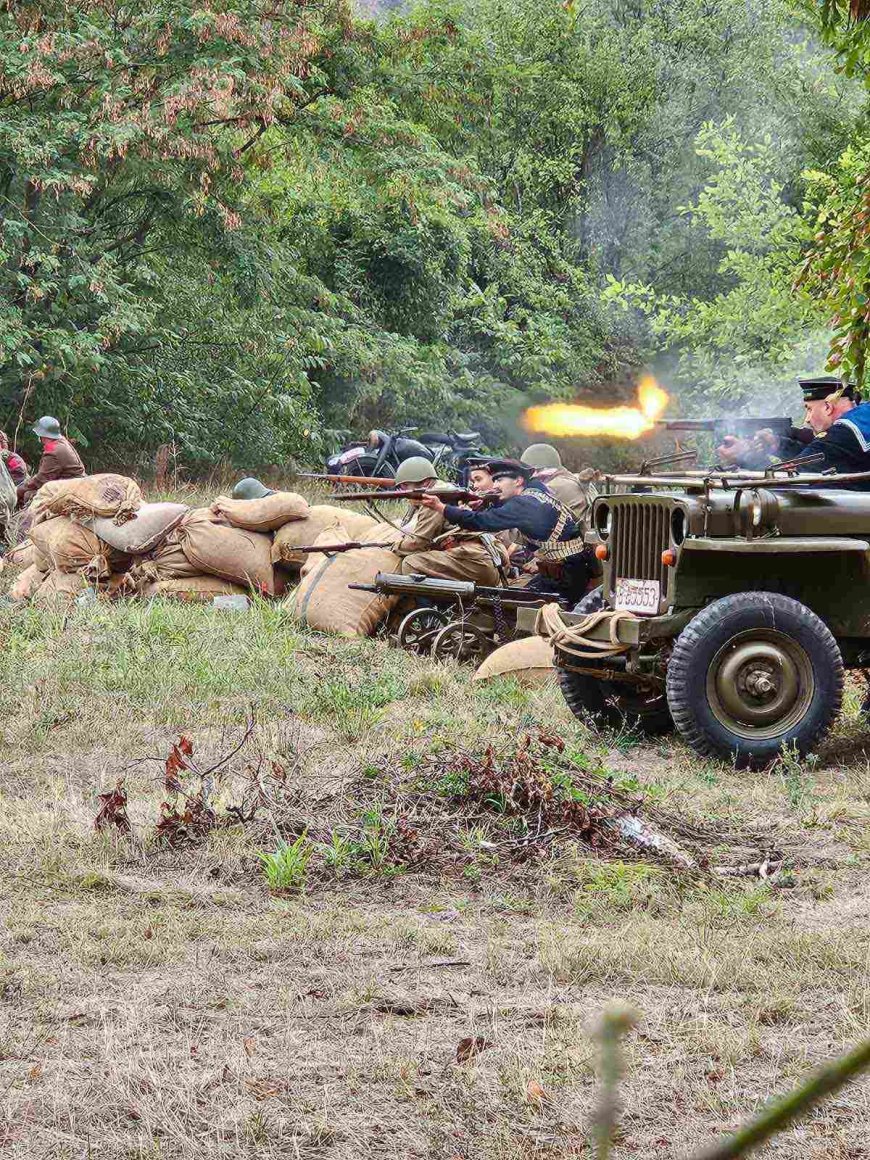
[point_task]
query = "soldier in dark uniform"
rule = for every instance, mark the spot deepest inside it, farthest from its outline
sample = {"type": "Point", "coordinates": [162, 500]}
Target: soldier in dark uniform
{"type": "Point", "coordinates": [565, 563]}
{"type": "Point", "coordinates": [837, 426]}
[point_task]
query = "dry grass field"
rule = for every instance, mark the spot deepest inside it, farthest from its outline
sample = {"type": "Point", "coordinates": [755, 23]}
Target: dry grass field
{"type": "Point", "coordinates": [159, 1001]}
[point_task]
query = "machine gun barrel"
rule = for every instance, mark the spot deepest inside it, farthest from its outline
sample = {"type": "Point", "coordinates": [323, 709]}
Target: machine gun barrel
{"type": "Point", "coordinates": [362, 480]}
{"type": "Point", "coordinates": [446, 495]}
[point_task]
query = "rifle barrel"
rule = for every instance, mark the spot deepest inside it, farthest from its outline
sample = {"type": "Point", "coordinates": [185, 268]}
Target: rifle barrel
{"type": "Point", "coordinates": [452, 495]}
{"type": "Point", "coordinates": [362, 480]}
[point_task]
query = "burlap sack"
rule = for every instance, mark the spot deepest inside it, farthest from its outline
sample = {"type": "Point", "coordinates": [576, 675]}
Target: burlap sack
{"type": "Point", "coordinates": [59, 589]}
{"type": "Point", "coordinates": [530, 660]}
{"type": "Point", "coordinates": [166, 562]}
{"type": "Point", "coordinates": [323, 599]}
{"type": "Point", "coordinates": [21, 556]}
{"type": "Point", "coordinates": [151, 524]}
{"type": "Point", "coordinates": [348, 525]}
{"type": "Point", "coordinates": [65, 545]}
{"type": "Point", "coordinates": [236, 555]}
{"type": "Point", "coordinates": [26, 584]}
{"type": "Point", "coordinates": [114, 497]}
{"type": "Point", "coordinates": [194, 589]}
{"type": "Point", "coordinates": [262, 515]}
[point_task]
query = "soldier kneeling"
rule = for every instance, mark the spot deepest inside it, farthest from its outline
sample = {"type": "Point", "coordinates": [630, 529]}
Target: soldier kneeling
{"type": "Point", "coordinates": [433, 547]}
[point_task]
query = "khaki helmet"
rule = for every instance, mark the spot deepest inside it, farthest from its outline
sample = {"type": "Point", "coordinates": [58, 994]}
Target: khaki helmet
{"type": "Point", "coordinates": [540, 456]}
{"type": "Point", "coordinates": [251, 488]}
{"type": "Point", "coordinates": [48, 428]}
{"type": "Point", "coordinates": [415, 470]}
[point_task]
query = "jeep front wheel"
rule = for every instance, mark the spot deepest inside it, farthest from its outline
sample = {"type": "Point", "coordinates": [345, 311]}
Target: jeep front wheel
{"type": "Point", "coordinates": [752, 673]}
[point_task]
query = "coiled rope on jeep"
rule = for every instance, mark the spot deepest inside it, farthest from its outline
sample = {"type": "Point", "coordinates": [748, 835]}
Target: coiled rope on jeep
{"type": "Point", "coordinates": [572, 638]}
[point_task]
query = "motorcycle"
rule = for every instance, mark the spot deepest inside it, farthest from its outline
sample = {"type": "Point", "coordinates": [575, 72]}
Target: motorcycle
{"type": "Point", "coordinates": [451, 451]}
{"type": "Point", "coordinates": [379, 456]}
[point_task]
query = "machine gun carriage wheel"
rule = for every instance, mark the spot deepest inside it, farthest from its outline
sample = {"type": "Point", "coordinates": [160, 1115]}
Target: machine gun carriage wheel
{"type": "Point", "coordinates": [419, 628]}
{"type": "Point", "coordinates": [460, 640]}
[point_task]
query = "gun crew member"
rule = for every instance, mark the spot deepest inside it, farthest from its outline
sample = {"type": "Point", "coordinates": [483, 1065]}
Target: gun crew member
{"type": "Point", "coordinates": [434, 546]}
{"type": "Point", "coordinates": [15, 465]}
{"type": "Point", "coordinates": [837, 426]}
{"type": "Point", "coordinates": [564, 562]}
{"type": "Point", "coordinates": [60, 460]}
{"type": "Point", "coordinates": [575, 491]}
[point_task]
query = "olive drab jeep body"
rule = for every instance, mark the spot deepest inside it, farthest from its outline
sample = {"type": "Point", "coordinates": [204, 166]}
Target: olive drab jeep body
{"type": "Point", "coordinates": [731, 607]}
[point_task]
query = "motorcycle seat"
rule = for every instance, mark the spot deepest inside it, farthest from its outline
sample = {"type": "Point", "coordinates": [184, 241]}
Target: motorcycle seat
{"type": "Point", "coordinates": [435, 437]}
{"type": "Point", "coordinates": [467, 437]}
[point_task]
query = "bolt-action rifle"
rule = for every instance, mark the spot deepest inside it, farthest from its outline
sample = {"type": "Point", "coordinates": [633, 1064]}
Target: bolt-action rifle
{"type": "Point", "coordinates": [347, 546]}
{"type": "Point", "coordinates": [445, 494]}
{"type": "Point", "coordinates": [362, 480]}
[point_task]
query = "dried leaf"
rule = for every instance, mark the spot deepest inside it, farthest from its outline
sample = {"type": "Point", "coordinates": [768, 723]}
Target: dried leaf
{"type": "Point", "coordinates": [113, 809]}
{"type": "Point", "coordinates": [471, 1046]}
{"type": "Point", "coordinates": [536, 1094]}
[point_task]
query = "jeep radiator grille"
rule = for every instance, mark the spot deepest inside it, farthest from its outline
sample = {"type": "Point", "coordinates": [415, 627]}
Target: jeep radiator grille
{"type": "Point", "coordinates": [639, 534]}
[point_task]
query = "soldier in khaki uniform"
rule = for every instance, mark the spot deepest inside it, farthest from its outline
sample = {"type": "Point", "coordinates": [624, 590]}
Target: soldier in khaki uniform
{"type": "Point", "coordinates": [575, 492]}
{"type": "Point", "coordinates": [60, 460]}
{"type": "Point", "coordinates": [433, 547]}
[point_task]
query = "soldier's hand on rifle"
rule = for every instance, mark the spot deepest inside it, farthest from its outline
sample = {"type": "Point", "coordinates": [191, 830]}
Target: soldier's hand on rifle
{"type": "Point", "coordinates": [767, 441]}
{"type": "Point", "coordinates": [433, 503]}
{"type": "Point", "coordinates": [732, 450]}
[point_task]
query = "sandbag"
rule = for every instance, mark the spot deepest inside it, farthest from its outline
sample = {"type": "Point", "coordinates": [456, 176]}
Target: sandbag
{"type": "Point", "coordinates": [68, 546]}
{"type": "Point", "coordinates": [323, 599]}
{"type": "Point", "coordinates": [166, 562]}
{"type": "Point", "coordinates": [26, 584]}
{"type": "Point", "coordinates": [530, 660]}
{"type": "Point", "coordinates": [59, 589]}
{"type": "Point", "coordinates": [21, 556]}
{"type": "Point", "coordinates": [262, 515]}
{"type": "Point", "coordinates": [348, 525]}
{"type": "Point", "coordinates": [110, 496]}
{"type": "Point", "coordinates": [151, 524]}
{"type": "Point", "coordinates": [234, 554]}
{"type": "Point", "coordinates": [194, 589]}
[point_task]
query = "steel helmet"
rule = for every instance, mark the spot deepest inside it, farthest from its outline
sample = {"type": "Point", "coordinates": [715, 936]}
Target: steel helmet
{"type": "Point", "coordinates": [541, 455]}
{"type": "Point", "coordinates": [251, 488]}
{"type": "Point", "coordinates": [415, 470]}
{"type": "Point", "coordinates": [48, 428]}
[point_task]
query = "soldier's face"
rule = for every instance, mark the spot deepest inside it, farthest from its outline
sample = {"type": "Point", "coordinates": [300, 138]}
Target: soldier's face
{"type": "Point", "coordinates": [820, 415]}
{"type": "Point", "coordinates": [507, 487]}
{"type": "Point", "coordinates": [480, 481]}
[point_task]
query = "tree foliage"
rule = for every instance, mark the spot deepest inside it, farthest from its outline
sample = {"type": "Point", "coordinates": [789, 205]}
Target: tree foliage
{"type": "Point", "coordinates": [241, 226]}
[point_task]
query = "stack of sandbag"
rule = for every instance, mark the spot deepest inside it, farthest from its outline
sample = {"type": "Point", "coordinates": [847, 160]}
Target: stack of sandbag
{"type": "Point", "coordinates": [215, 548]}
{"type": "Point", "coordinates": [342, 524]}
{"type": "Point", "coordinates": [114, 497]}
{"type": "Point", "coordinates": [323, 599]}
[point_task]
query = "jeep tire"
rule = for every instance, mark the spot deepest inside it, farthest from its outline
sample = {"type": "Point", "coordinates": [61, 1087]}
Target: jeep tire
{"type": "Point", "coordinates": [751, 673]}
{"type": "Point", "coordinates": [615, 705]}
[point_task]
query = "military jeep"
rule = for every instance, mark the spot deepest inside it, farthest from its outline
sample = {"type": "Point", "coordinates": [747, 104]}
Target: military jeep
{"type": "Point", "coordinates": [730, 608]}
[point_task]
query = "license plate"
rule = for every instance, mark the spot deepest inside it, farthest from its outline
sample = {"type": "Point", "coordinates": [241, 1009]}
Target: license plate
{"type": "Point", "coordinates": [639, 596]}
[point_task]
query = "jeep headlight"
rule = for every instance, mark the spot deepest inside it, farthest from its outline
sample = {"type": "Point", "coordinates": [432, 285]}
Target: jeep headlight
{"type": "Point", "coordinates": [758, 511]}
{"type": "Point", "coordinates": [603, 520]}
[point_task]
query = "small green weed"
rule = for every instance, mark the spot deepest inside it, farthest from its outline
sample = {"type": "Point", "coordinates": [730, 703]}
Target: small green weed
{"type": "Point", "coordinates": [287, 867]}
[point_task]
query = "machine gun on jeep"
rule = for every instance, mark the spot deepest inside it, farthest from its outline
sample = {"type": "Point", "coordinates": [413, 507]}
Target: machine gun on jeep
{"type": "Point", "coordinates": [730, 606]}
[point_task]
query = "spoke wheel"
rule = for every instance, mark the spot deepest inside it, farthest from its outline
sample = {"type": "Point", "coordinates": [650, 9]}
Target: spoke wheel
{"type": "Point", "coordinates": [418, 630]}
{"type": "Point", "coordinates": [460, 641]}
